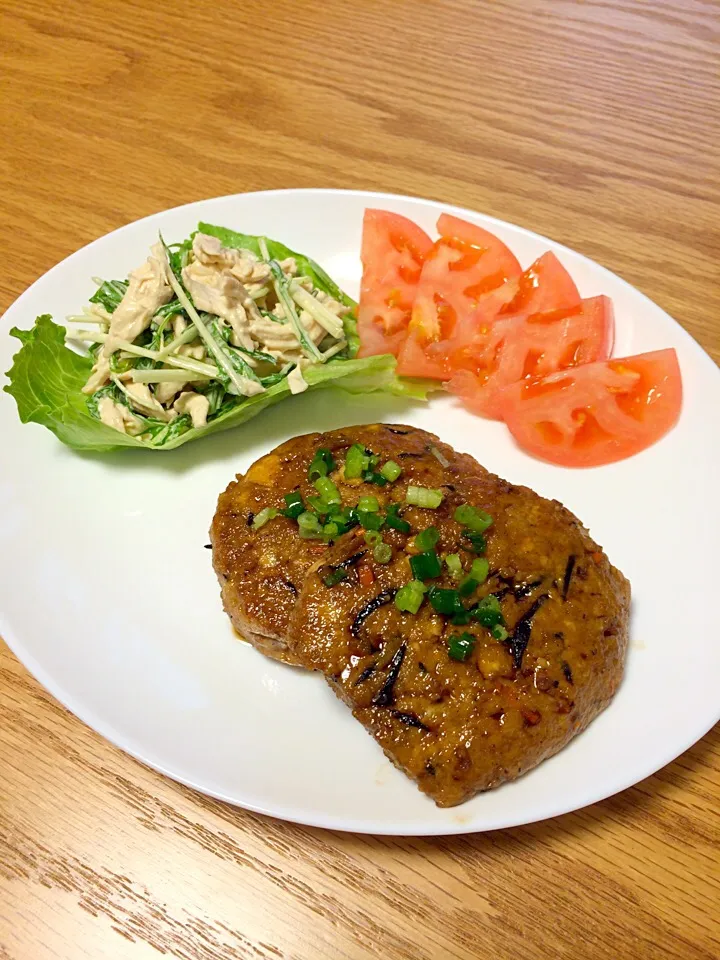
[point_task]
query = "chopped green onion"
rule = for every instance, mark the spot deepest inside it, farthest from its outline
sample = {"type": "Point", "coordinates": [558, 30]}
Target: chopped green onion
{"type": "Point", "coordinates": [426, 539]}
{"type": "Point", "coordinates": [335, 576]}
{"type": "Point", "coordinates": [370, 476]}
{"type": "Point", "coordinates": [426, 566]}
{"type": "Point", "coordinates": [394, 520]}
{"type": "Point", "coordinates": [477, 575]}
{"type": "Point", "coordinates": [476, 520]}
{"type": "Point", "coordinates": [424, 497]}
{"type": "Point", "coordinates": [345, 519]}
{"type": "Point", "coordinates": [488, 611]}
{"type": "Point", "coordinates": [372, 538]}
{"type": "Point", "coordinates": [499, 632]}
{"type": "Point", "coordinates": [479, 569]}
{"type": "Point", "coordinates": [309, 526]}
{"type": "Point", "coordinates": [260, 519]}
{"type": "Point", "coordinates": [322, 464]}
{"type": "Point", "coordinates": [330, 530]}
{"type": "Point", "coordinates": [319, 505]}
{"type": "Point", "coordinates": [368, 505]}
{"type": "Point", "coordinates": [409, 598]}
{"type": "Point", "coordinates": [327, 490]}
{"type": "Point", "coordinates": [454, 565]}
{"type": "Point", "coordinates": [382, 553]}
{"type": "Point", "coordinates": [391, 471]}
{"type": "Point", "coordinates": [477, 542]}
{"type": "Point", "coordinates": [443, 601]}
{"type": "Point", "coordinates": [356, 462]}
{"type": "Point", "coordinates": [371, 520]}
{"type": "Point", "coordinates": [461, 646]}
{"type": "Point", "coordinates": [461, 619]}
{"type": "Point", "coordinates": [295, 505]}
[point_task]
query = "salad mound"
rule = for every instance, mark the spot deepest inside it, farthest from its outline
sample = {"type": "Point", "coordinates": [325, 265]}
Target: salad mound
{"type": "Point", "coordinates": [201, 337]}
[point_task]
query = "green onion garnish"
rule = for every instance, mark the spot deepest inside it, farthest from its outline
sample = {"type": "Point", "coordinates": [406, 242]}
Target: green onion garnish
{"type": "Point", "coordinates": [391, 471]}
{"type": "Point", "coordinates": [330, 530]}
{"type": "Point", "coordinates": [499, 632]}
{"type": "Point", "coordinates": [371, 520]}
{"type": "Point", "coordinates": [345, 519]}
{"type": "Point", "coordinates": [309, 526]}
{"type": "Point", "coordinates": [409, 598]}
{"type": "Point", "coordinates": [426, 566]}
{"type": "Point", "coordinates": [479, 569]}
{"type": "Point", "coordinates": [260, 519]}
{"type": "Point", "coordinates": [454, 564]}
{"type": "Point", "coordinates": [356, 462]}
{"type": "Point", "coordinates": [461, 619]}
{"type": "Point", "coordinates": [488, 611]}
{"type": "Point", "coordinates": [370, 476]}
{"type": "Point", "coordinates": [322, 464]}
{"type": "Point", "coordinates": [382, 553]}
{"type": "Point", "coordinates": [327, 490]}
{"type": "Point", "coordinates": [372, 538]}
{"type": "Point", "coordinates": [319, 505]}
{"type": "Point", "coordinates": [477, 542]}
{"type": "Point", "coordinates": [394, 520]}
{"type": "Point", "coordinates": [295, 505]}
{"type": "Point", "coordinates": [424, 497]}
{"type": "Point", "coordinates": [333, 578]}
{"type": "Point", "coordinates": [477, 575]}
{"type": "Point", "coordinates": [443, 601]}
{"type": "Point", "coordinates": [476, 520]}
{"type": "Point", "coordinates": [368, 505]}
{"type": "Point", "coordinates": [468, 586]}
{"type": "Point", "coordinates": [461, 646]}
{"type": "Point", "coordinates": [426, 539]}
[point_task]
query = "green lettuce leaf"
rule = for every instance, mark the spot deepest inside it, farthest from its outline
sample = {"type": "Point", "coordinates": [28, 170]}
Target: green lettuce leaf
{"type": "Point", "coordinates": [46, 380]}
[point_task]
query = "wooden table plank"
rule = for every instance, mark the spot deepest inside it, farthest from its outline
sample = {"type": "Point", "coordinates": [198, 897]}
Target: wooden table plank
{"type": "Point", "coordinates": [595, 123]}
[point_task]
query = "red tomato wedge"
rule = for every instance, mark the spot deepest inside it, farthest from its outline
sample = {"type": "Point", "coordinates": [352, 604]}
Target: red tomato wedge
{"type": "Point", "coordinates": [545, 292]}
{"type": "Point", "coordinates": [533, 345]}
{"type": "Point", "coordinates": [464, 265]}
{"type": "Point", "coordinates": [596, 413]}
{"type": "Point", "coordinates": [393, 252]}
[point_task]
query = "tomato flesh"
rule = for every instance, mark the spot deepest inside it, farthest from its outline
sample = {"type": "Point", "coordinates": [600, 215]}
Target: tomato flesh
{"type": "Point", "coordinates": [465, 264]}
{"type": "Point", "coordinates": [596, 413]}
{"type": "Point", "coordinates": [537, 344]}
{"type": "Point", "coordinates": [393, 252]}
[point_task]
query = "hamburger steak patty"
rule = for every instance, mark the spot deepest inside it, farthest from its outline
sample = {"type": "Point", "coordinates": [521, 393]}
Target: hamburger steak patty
{"type": "Point", "coordinates": [459, 702]}
{"type": "Point", "coordinates": [459, 727]}
{"type": "Point", "coordinates": [261, 572]}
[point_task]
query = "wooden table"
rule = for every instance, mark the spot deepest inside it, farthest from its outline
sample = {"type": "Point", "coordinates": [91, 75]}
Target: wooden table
{"type": "Point", "coordinates": [595, 123]}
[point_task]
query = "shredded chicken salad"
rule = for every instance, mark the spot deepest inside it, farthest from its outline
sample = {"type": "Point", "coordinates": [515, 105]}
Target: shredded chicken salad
{"type": "Point", "coordinates": [202, 336]}
{"type": "Point", "coordinates": [199, 325]}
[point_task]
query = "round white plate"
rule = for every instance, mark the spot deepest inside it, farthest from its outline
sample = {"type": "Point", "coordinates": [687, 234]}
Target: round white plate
{"type": "Point", "coordinates": [109, 599]}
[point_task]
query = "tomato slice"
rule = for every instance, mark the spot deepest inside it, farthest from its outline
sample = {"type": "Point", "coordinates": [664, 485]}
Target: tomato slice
{"type": "Point", "coordinates": [543, 293]}
{"type": "Point", "coordinates": [393, 252]}
{"type": "Point", "coordinates": [532, 345]}
{"type": "Point", "coordinates": [596, 413]}
{"type": "Point", "coordinates": [464, 265]}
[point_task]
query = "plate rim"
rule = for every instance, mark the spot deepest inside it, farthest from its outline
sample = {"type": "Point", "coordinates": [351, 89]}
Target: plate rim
{"type": "Point", "coordinates": [133, 748]}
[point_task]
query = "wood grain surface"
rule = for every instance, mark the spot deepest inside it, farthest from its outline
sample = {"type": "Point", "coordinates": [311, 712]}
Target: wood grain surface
{"type": "Point", "coordinates": [596, 123]}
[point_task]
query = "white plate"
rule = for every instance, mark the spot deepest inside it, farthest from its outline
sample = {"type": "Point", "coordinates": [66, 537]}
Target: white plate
{"type": "Point", "coordinates": [109, 599]}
